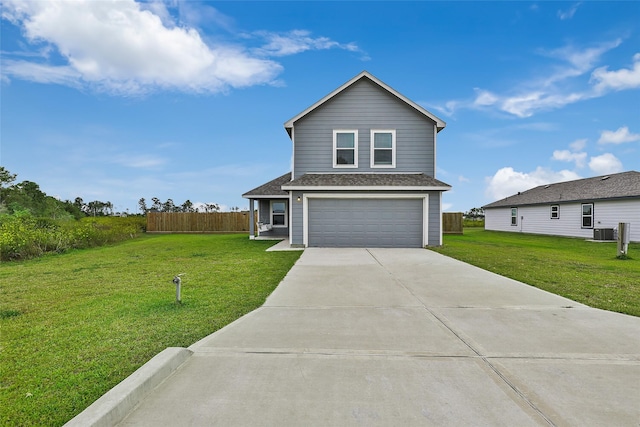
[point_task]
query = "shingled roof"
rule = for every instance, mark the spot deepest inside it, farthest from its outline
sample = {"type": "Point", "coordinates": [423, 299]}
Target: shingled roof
{"type": "Point", "coordinates": [271, 189]}
{"type": "Point", "coordinates": [615, 186]}
{"type": "Point", "coordinates": [374, 181]}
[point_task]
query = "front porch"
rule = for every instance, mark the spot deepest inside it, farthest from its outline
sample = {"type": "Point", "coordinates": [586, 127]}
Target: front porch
{"type": "Point", "coordinates": [272, 209]}
{"type": "Point", "coordinates": [272, 234]}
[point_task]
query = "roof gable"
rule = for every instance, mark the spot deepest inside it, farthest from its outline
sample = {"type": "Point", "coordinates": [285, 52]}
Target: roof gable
{"type": "Point", "coordinates": [440, 124]}
{"type": "Point", "coordinates": [614, 186]}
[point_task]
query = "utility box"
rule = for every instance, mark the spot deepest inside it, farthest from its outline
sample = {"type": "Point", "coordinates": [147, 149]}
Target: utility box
{"type": "Point", "coordinates": [603, 234]}
{"type": "Point", "coordinates": [623, 238]}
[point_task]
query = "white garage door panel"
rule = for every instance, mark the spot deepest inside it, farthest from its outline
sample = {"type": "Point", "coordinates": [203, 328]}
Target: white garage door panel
{"type": "Point", "coordinates": [365, 222]}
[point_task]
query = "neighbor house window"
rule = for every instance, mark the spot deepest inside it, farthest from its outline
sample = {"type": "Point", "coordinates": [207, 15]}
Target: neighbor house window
{"type": "Point", "coordinates": [514, 216]}
{"type": "Point", "coordinates": [587, 215]}
{"type": "Point", "coordinates": [383, 148]}
{"type": "Point", "coordinates": [345, 148]}
{"type": "Point", "coordinates": [555, 212]}
{"type": "Point", "coordinates": [279, 214]}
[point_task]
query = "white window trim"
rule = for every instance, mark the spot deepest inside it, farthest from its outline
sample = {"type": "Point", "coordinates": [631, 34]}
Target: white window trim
{"type": "Point", "coordinates": [511, 216]}
{"type": "Point", "coordinates": [355, 148]}
{"type": "Point", "coordinates": [393, 148]}
{"type": "Point", "coordinates": [582, 216]}
{"type": "Point", "coordinates": [286, 214]}
{"type": "Point", "coordinates": [557, 212]}
{"type": "Point", "coordinates": [425, 209]}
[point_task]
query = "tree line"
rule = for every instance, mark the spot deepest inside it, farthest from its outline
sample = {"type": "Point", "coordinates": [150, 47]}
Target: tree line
{"type": "Point", "coordinates": [170, 206]}
{"type": "Point", "coordinates": [26, 197]}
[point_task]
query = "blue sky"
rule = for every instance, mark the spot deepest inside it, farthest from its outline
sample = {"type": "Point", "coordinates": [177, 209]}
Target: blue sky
{"type": "Point", "coordinates": [118, 100]}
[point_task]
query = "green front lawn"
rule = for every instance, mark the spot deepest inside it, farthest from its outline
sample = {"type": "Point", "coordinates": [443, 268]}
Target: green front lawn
{"type": "Point", "coordinates": [74, 325]}
{"type": "Point", "coordinates": [587, 272]}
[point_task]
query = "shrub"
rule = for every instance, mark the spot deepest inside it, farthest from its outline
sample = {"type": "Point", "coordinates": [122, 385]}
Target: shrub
{"type": "Point", "coordinates": [24, 236]}
{"type": "Point", "coordinates": [473, 223]}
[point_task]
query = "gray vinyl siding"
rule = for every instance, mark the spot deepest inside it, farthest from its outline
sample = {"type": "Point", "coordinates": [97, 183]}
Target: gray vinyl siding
{"type": "Point", "coordinates": [537, 219]}
{"type": "Point", "coordinates": [264, 214]}
{"type": "Point", "coordinates": [435, 216]}
{"type": "Point", "coordinates": [364, 106]}
{"type": "Point", "coordinates": [296, 220]}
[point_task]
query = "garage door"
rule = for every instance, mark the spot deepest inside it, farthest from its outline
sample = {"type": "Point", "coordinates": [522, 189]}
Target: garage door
{"type": "Point", "coordinates": [365, 222]}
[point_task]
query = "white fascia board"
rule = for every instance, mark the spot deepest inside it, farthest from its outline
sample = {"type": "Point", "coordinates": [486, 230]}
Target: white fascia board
{"type": "Point", "coordinates": [282, 196]}
{"type": "Point", "coordinates": [363, 188]}
{"type": "Point", "coordinates": [364, 196]}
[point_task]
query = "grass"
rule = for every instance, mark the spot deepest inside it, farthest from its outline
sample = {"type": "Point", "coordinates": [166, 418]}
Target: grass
{"type": "Point", "coordinates": [587, 272]}
{"type": "Point", "coordinates": [74, 325]}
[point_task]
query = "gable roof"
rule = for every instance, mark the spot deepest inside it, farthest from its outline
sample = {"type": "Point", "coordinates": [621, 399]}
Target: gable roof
{"type": "Point", "coordinates": [614, 186]}
{"type": "Point", "coordinates": [272, 189]}
{"type": "Point", "coordinates": [440, 124]}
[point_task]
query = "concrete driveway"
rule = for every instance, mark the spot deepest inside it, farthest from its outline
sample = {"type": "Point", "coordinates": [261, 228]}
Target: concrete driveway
{"type": "Point", "coordinates": [401, 337]}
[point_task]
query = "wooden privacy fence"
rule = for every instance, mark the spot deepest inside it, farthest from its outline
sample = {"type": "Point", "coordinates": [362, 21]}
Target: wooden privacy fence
{"type": "Point", "coordinates": [238, 222]}
{"type": "Point", "coordinates": [195, 222]}
{"type": "Point", "coordinates": [452, 222]}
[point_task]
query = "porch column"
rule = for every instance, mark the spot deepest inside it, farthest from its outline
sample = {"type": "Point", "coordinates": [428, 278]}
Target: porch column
{"type": "Point", "coordinates": [252, 221]}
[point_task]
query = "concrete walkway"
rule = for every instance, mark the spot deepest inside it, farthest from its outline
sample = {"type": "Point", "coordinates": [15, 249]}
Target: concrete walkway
{"type": "Point", "coordinates": [402, 337]}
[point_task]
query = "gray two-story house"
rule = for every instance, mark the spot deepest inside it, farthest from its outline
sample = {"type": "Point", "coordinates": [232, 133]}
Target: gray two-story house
{"type": "Point", "coordinates": [364, 166]}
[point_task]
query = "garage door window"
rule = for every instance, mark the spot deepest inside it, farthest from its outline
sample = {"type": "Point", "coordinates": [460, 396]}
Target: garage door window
{"type": "Point", "coordinates": [345, 148]}
{"type": "Point", "coordinates": [383, 148]}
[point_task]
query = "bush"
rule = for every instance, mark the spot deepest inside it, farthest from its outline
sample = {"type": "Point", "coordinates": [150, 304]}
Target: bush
{"type": "Point", "coordinates": [473, 223]}
{"type": "Point", "coordinates": [24, 236]}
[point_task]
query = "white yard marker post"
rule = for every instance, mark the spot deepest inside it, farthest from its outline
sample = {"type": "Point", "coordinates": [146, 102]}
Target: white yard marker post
{"type": "Point", "coordinates": [178, 281]}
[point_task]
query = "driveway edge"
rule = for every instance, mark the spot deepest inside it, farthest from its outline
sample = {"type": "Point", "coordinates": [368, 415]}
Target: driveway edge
{"type": "Point", "coordinates": [117, 403]}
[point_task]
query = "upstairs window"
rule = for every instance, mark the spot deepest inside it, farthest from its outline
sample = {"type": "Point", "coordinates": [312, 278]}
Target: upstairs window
{"type": "Point", "coordinates": [383, 148]}
{"type": "Point", "coordinates": [514, 216]}
{"type": "Point", "coordinates": [345, 148]}
{"type": "Point", "coordinates": [555, 212]}
{"type": "Point", "coordinates": [587, 215]}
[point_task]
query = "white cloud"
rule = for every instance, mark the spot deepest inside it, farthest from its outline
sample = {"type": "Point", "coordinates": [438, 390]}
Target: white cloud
{"type": "Point", "coordinates": [556, 88]}
{"type": "Point", "coordinates": [624, 78]}
{"type": "Point", "coordinates": [484, 97]}
{"type": "Point", "coordinates": [575, 61]}
{"type": "Point", "coordinates": [606, 163]}
{"type": "Point", "coordinates": [619, 136]}
{"type": "Point", "coordinates": [140, 161]}
{"type": "Point", "coordinates": [568, 156]}
{"type": "Point", "coordinates": [568, 14]}
{"type": "Point", "coordinates": [128, 48]}
{"type": "Point", "coordinates": [297, 41]}
{"type": "Point", "coordinates": [507, 182]}
{"type": "Point", "coordinates": [463, 178]}
{"type": "Point", "coordinates": [41, 73]}
{"type": "Point", "coordinates": [527, 104]}
{"type": "Point", "coordinates": [120, 47]}
{"type": "Point", "coordinates": [578, 145]}
{"type": "Point", "coordinates": [574, 155]}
